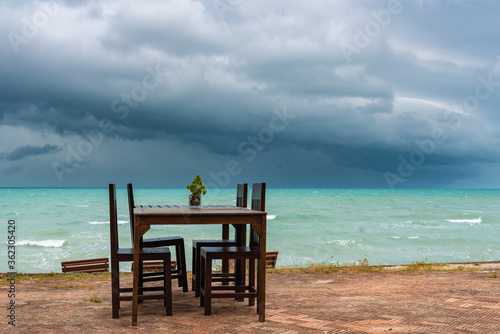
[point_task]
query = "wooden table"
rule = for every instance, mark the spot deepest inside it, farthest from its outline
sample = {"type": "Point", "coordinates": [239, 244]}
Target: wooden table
{"type": "Point", "coordinates": [147, 215]}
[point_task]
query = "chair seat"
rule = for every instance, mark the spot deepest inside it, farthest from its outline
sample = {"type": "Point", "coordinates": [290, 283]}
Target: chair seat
{"type": "Point", "coordinates": [144, 253]}
{"type": "Point", "coordinates": [161, 242]}
{"type": "Point", "coordinates": [232, 252]}
{"type": "Point", "coordinates": [211, 241]}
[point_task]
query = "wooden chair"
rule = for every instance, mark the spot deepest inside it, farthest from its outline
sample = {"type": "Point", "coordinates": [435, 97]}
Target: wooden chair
{"type": "Point", "coordinates": [224, 276]}
{"type": "Point", "coordinates": [178, 242]}
{"type": "Point", "coordinates": [250, 253]}
{"type": "Point", "coordinates": [127, 254]}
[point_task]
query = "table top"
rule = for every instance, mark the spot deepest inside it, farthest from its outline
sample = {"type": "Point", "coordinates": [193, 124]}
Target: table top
{"type": "Point", "coordinates": [204, 210]}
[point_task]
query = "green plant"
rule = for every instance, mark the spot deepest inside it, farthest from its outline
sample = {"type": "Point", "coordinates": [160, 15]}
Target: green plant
{"type": "Point", "coordinates": [197, 187]}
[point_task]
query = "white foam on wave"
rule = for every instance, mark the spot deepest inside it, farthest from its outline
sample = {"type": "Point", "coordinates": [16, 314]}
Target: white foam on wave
{"type": "Point", "coordinates": [57, 243]}
{"type": "Point", "coordinates": [120, 222]}
{"type": "Point", "coordinates": [82, 206]}
{"type": "Point", "coordinates": [470, 221]}
{"type": "Point", "coordinates": [396, 237]}
{"type": "Point", "coordinates": [342, 243]}
{"type": "Point", "coordinates": [413, 237]}
{"type": "Point", "coordinates": [271, 217]}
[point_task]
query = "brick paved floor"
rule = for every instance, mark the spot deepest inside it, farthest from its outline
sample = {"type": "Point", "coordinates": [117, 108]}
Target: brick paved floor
{"type": "Point", "coordinates": [386, 302]}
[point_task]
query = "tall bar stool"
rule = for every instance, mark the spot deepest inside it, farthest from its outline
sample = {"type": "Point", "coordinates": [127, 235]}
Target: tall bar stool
{"type": "Point", "coordinates": [127, 255]}
{"type": "Point", "coordinates": [176, 241]}
{"type": "Point", "coordinates": [251, 253]}
{"type": "Point", "coordinates": [225, 277]}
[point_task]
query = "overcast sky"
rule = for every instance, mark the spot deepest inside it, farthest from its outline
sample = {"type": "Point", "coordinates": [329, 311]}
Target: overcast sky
{"type": "Point", "coordinates": [295, 93]}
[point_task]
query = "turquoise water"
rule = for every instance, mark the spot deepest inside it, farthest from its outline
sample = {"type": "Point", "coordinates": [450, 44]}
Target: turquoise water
{"type": "Point", "coordinates": [304, 225]}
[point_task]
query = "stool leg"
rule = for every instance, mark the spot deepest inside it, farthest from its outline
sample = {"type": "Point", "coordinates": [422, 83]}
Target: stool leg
{"type": "Point", "coordinates": [201, 281]}
{"type": "Point", "coordinates": [240, 274]}
{"type": "Point", "coordinates": [251, 279]}
{"type": "Point", "coordinates": [258, 286]}
{"type": "Point", "coordinates": [167, 285]}
{"type": "Point", "coordinates": [198, 272]}
{"type": "Point", "coordinates": [225, 269]}
{"type": "Point", "coordinates": [141, 279]}
{"type": "Point", "coordinates": [115, 289]}
{"type": "Point", "coordinates": [182, 260]}
{"type": "Point", "coordinates": [208, 285]}
{"type": "Point", "coordinates": [179, 264]}
{"type": "Point", "coordinates": [193, 270]}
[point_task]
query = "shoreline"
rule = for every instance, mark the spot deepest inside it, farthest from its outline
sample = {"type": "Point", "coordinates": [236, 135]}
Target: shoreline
{"type": "Point", "coordinates": [360, 266]}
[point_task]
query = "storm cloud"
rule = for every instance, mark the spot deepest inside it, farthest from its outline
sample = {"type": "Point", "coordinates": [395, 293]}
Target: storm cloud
{"type": "Point", "coordinates": [309, 94]}
{"type": "Point", "coordinates": [24, 151]}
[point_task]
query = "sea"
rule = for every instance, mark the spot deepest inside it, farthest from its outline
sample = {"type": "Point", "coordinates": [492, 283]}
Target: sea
{"type": "Point", "coordinates": [383, 226]}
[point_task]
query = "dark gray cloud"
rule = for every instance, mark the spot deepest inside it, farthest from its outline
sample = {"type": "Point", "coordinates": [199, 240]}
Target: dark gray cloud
{"type": "Point", "coordinates": [28, 150]}
{"type": "Point", "coordinates": [99, 91]}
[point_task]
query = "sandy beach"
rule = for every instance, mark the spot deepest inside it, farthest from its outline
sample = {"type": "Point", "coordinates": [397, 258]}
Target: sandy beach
{"type": "Point", "coordinates": [391, 300]}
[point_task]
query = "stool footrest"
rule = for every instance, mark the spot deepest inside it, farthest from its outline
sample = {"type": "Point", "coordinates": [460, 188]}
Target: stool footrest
{"type": "Point", "coordinates": [234, 287]}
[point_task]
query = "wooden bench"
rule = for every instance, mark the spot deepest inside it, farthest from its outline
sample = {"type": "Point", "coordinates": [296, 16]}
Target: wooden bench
{"type": "Point", "coordinates": [155, 266]}
{"type": "Point", "coordinates": [271, 258]}
{"type": "Point", "coordinates": [86, 266]}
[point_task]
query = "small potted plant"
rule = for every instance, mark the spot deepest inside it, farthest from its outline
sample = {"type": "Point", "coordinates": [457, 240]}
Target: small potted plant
{"type": "Point", "coordinates": [197, 188]}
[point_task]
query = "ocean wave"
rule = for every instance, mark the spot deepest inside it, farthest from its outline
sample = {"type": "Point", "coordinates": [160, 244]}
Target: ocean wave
{"type": "Point", "coordinates": [120, 222]}
{"type": "Point", "coordinates": [271, 217]}
{"type": "Point", "coordinates": [42, 243]}
{"type": "Point", "coordinates": [470, 221]}
{"type": "Point", "coordinates": [82, 206]}
{"type": "Point", "coordinates": [342, 243]}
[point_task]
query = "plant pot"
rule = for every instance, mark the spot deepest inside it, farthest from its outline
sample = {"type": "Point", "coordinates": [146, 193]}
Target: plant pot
{"type": "Point", "coordinates": [194, 200]}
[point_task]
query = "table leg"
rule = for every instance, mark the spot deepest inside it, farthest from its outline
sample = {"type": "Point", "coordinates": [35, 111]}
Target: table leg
{"type": "Point", "coordinates": [138, 233]}
{"type": "Point", "coordinates": [261, 297]}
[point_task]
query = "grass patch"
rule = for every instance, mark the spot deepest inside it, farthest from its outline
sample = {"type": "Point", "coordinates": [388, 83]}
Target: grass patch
{"type": "Point", "coordinates": [327, 268]}
{"type": "Point", "coordinates": [94, 299]}
{"type": "Point", "coordinates": [355, 267]}
{"type": "Point", "coordinates": [364, 266]}
{"type": "Point", "coordinates": [62, 285]}
{"type": "Point", "coordinates": [45, 277]}
{"type": "Point", "coordinates": [421, 266]}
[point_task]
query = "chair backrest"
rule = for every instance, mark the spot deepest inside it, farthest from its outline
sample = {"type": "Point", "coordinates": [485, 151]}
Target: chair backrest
{"type": "Point", "coordinates": [113, 222]}
{"type": "Point", "coordinates": [258, 203]}
{"type": "Point", "coordinates": [241, 200]}
{"type": "Point", "coordinates": [131, 205]}
{"type": "Point", "coordinates": [259, 196]}
{"type": "Point", "coordinates": [242, 195]}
